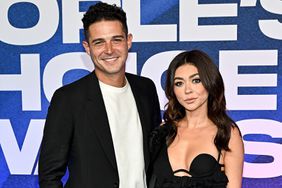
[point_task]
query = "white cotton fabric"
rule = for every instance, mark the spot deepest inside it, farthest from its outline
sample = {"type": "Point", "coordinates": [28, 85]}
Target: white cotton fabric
{"type": "Point", "coordinates": [126, 133]}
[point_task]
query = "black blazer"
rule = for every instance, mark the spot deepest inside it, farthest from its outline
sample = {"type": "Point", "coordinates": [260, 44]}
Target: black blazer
{"type": "Point", "coordinates": [77, 134]}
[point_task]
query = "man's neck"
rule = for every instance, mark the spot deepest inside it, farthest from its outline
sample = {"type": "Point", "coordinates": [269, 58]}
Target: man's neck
{"type": "Point", "coordinates": [112, 80]}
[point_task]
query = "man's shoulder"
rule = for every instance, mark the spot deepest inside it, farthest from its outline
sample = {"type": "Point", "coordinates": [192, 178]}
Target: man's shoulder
{"type": "Point", "coordinates": [79, 82]}
{"type": "Point", "coordinates": [133, 78]}
{"type": "Point", "coordinates": [78, 86]}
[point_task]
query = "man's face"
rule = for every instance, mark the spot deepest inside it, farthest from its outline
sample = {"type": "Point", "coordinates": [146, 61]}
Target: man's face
{"type": "Point", "coordinates": [108, 48]}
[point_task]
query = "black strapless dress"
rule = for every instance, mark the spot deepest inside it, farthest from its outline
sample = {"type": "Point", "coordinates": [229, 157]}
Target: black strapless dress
{"type": "Point", "coordinates": [205, 170]}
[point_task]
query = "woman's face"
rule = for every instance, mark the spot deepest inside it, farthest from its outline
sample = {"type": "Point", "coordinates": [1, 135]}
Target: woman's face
{"type": "Point", "coordinates": [189, 89]}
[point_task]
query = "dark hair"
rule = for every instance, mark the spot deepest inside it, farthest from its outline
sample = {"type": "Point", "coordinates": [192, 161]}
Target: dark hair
{"type": "Point", "coordinates": [213, 83]}
{"type": "Point", "coordinates": [103, 11]}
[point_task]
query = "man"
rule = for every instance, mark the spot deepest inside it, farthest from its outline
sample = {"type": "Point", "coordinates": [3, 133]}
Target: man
{"type": "Point", "coordinates": [98, 126]}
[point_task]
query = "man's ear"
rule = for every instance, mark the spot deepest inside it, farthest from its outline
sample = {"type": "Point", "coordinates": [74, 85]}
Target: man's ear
{"type": "Point", "coordinates": [86, 47]}
{"type": "Point", "coordinates": [129, 40]}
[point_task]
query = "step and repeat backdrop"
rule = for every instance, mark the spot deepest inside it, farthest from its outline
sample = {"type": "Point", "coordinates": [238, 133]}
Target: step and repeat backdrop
{"type": "Point", "coordinates": [40, 50]}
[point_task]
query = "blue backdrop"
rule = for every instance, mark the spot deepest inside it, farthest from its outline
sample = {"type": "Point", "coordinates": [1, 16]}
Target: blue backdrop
{"type": "Point", "coordinates": [40, 50]}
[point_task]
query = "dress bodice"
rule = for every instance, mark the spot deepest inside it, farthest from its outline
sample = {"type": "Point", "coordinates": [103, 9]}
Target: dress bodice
{"type": "Point", "coordinates": [205, 170]}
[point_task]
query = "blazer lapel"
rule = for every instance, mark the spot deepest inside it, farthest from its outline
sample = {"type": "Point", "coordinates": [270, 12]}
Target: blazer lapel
{"type": "Point", "coordinates": [98, 120]}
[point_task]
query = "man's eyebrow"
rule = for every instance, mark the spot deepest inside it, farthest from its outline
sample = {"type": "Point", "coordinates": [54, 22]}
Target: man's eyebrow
{"type": "Point", "coordinates": [102, 39]}
{"type": "Point", "coordinates": [97, 39]}
{"type": "Point", "coordinates": [118, 36]}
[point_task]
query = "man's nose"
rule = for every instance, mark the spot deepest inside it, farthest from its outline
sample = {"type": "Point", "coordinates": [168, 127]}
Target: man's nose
{"type": "Point", "coordinates": [109, 47]}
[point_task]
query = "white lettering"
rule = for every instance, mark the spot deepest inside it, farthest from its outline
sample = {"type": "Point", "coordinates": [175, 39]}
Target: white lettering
{"type": "Point", "coordinates": [272, 28]}
{"type": "Point", "coordinates": [262, 126]}
{"type": "Point", "coordinates": [59, 65]}
{"type": "Point", "coordinates": [47, 25]}
{"type": "Point", "coordinates": [229, 61]}
{"type": "Point", "coordinates": [248, 3]}
{"type": "Point", "coordinates": [191, 11]}
{"type": "Point", "coordinates": [131, 63]}
{"type": "Point", "coordinates": [154, 67]}
{"type": "Point", "coordinates": [21, 161]}
{"type": "Point", "coordinates": [28, 82]}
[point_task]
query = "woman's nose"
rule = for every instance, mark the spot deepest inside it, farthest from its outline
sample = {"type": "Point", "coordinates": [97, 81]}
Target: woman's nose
{"type": "Point", "coordinates": [188, 89]}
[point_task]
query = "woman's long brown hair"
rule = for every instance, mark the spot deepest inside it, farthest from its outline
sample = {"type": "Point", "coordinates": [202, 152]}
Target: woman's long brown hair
{"type": "Point", "coordinates": [213, 83]}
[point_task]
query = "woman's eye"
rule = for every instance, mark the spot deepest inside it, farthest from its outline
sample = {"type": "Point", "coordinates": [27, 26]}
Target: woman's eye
{"type": "Point", "coordinates": [196, 80]}
{"type": "Point", "coordinates": [178, 84]}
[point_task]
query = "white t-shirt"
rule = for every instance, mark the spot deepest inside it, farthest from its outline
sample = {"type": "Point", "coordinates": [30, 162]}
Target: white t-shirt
{"type": "Point", "coordinates": [126, 133]}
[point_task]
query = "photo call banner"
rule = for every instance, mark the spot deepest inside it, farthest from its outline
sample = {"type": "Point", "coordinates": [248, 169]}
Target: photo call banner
{"type": "Point", "coordinates": [41, 50]}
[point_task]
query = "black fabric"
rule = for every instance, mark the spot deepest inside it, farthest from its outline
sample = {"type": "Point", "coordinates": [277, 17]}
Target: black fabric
{"type": "Point", "coordinates": [205, 170]}
{"type": "Point", "coordinates": [181, 170]}
{"type": "Point", "coordinates": [77, 134]}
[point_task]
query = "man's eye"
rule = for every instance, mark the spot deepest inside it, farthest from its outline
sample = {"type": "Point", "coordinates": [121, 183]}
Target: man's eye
{"type": "Point", "coordinates": [97, 43]}
{"type": "Point", "coordinates": [117, 40]}
{"type": "Point", "coordinates": [196, 80]}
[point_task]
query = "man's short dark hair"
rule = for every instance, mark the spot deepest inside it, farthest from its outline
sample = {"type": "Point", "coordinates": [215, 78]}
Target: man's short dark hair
{"type": "Point", "coordinates": [103, 11]}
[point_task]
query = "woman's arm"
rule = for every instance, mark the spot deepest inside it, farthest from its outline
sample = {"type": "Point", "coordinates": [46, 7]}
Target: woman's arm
{"type": "Point", "coordinates": [234, 159]}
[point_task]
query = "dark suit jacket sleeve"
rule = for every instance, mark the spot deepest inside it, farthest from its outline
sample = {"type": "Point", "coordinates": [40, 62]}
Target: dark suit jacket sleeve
{"type": "Point", "coordinates": [156, 106]}
{"type": "Point", "coordinates": [56, 142]}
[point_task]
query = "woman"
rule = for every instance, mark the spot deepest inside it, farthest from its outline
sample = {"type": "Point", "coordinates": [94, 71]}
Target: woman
{"type": "Point", "coordinates": [198, 145]}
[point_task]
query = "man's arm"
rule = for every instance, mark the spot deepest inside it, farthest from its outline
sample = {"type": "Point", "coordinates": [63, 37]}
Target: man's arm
{"type": "Point", "coordinates": [156, 106]}
{"type": "Point", "coordinates": [56, 141]}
